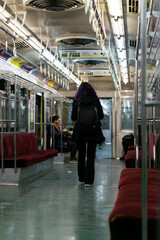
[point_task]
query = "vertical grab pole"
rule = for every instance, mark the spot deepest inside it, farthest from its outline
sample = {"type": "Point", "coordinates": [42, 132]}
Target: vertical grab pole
{"type": "Point", "coordinates": [149, 142]}
{"type": "Point", "coordinates": [116, 124]}
{"type": "Point", "coordinates": [51, 138]}
{"type": "Point", "coordinates": [15, 125]}
{"type": "Point", "coordinates": [2, 147]}
{"type": "Point", "coordinates": [154, 137]}
{"type": "Point", "coordinates": [136, 114]}
{"type": "Point", "coordinates": [144, 129]}
{"type": "Point", "coordinates": [61, 126]}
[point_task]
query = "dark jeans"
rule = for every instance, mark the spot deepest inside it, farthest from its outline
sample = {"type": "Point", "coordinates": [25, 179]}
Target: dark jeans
{"type": "Point", "coordinates": [86, 169]}
{"type": "Point", "coordinates": [73, 147]}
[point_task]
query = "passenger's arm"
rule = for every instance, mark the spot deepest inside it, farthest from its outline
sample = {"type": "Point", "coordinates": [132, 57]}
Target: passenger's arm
{"type": "Point", "coordinates": [74, 111]}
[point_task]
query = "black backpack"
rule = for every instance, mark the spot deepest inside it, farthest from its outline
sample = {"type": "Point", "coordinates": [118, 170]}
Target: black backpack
{"type": "Point", "coordinates": [87, 118]}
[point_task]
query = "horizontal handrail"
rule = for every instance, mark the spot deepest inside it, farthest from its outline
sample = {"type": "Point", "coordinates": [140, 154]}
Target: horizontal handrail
{"type": "Point", "coordinates": [43, 123]}
{"type": "Point", "coordinates": [5, 120]}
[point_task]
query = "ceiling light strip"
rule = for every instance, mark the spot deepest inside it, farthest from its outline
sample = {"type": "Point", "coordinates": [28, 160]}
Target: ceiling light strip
{"type": "Point", "coordinates": [117, 21]}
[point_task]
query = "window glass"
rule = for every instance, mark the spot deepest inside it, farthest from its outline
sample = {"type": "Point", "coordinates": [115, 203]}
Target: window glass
{"type": "Point", "coordinates": [126, 114]}
{"type": "Point", "coordinates": [139, 109]}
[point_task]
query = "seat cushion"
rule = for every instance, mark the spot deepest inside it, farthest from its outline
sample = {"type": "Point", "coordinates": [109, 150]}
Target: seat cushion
{"type": "Point", "coordinates": [125, 218]}
{"type": "Point", "coordinates": [133, 176]}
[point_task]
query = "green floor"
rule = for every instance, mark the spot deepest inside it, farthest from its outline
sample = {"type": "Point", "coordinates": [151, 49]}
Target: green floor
{"type": "Point", "coordinates": [55, 207]}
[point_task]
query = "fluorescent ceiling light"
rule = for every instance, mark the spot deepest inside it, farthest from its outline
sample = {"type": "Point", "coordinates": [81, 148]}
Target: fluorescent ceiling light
{"type": "Point", "coordinates": [120, 43]}
{"type": "Point", "coordinates": [122, 55]}
{"type": "Point", "coordinates": [115, 7]}
{"type": "Point", "coordinates": [48, 55]}
{"type": "Point", "coordinates": [116, 12]}
{"type": "Point", "coordinates": [118, 27]}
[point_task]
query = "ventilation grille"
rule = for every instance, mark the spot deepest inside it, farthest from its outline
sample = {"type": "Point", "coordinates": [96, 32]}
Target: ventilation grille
{"type": "Point", "coordinates": [19, 45]}
{"type": "Point", "coordinates": [90, 62]}
{"type": "Point", "coordinates": [132, 43]}
{"type": "Point", "coordinates": [54, 5]}
{"type": "Point", "coordinates": [133, 6]}
{"type": "Point", "coordinates": [75, 41]}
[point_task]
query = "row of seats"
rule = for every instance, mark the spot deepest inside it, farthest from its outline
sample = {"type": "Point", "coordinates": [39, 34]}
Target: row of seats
{"type": "Point", "coordinates": [125, 219]}
{"type": "Point", "coordinates": [131, 153]}
{"type": "Point", "coordinates": [27, 152]}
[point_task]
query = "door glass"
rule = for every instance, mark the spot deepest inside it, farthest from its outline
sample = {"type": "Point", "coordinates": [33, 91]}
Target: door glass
{"type": "Point", "coordinates": [105, 150]}
{"type": "Point", "coordinates": [23, 115]}
{"type": "Point", "coordinates": [67, 121]}
{"type": "Point", "coordinates": [126, 115]}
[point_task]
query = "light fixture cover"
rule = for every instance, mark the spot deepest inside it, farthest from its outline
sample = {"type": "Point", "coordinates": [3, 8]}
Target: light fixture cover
{"type": "Point", "coordinates": [56, 5]}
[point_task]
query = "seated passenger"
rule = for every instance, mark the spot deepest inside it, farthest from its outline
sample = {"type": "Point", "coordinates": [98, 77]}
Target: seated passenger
{"type": "Point", "coordinates": [67, 140]}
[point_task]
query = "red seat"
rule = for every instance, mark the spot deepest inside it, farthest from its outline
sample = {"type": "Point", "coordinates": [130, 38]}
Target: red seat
{"type": "Point", "coordinates": [131, 154]}
{"type": "Point", "coordinates": [27, 150]}
{"type": "Point", "coordinates": [133, 175]}
{"type": "Point", "coordinates": [125, 219]}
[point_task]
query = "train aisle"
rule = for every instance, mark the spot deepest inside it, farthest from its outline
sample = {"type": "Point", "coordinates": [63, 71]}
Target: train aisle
{"type": "Point", "coordinates": [55, 207]}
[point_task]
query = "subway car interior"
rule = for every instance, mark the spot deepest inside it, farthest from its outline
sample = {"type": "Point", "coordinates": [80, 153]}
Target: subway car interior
{"type": "Point", "coordinates": [47, 50]}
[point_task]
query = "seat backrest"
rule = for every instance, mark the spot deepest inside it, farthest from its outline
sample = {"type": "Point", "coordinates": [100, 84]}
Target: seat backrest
{"type": "Point", "coordinates": [25, 142]}
{"type": "Point", "coordinates": [156, 142]}
{"type": "Point", "coordinates": [8, 141]}
{"type": "Point", "coordinates": [158, 153]}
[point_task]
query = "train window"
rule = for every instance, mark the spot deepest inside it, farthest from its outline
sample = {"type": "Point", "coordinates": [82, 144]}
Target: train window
{"type": "Point", "coordinates": [12, 108]}
{"type": "Point", "coordinates": [139, 109]}
{"type": "Point", "coordinates": [3, 108]}
{"type": "Point", "coordinates": [126, 114]}
{"type": "Point", "coordinates": [23, 115]}
{"type": "Point", "coordinates": [2, 84]}
{"type": "Point", "coordinates": [32, 106]}
{"type": "Point", "coordinates": [12, 89]}
{"type": "Point", "coordinates": [67, 121]}
{"type": "Point", "coordinates": [22, 92]}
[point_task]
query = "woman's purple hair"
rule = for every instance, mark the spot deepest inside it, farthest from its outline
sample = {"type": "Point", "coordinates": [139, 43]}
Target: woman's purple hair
{"type": "Point", "coordinates": [85, 89]}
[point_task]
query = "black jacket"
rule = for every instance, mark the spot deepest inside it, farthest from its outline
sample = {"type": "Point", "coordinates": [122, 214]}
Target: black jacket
{"type": "Point", "coordinates": [87, 100]}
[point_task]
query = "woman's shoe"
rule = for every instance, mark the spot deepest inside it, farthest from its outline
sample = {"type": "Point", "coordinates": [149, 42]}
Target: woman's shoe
{"type": "Point", "coordinates": [88, 185]}
{"type": "Point", "coordinates": [73, 161]}
{"type": "Point", "coordinates": [80, 183]}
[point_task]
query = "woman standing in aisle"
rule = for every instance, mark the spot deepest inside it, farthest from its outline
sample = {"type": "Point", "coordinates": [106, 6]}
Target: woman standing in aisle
{"type": "Point", "coordinates": [87, 112]}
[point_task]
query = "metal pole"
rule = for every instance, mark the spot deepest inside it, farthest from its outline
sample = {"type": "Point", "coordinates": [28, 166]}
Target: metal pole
{"type": "Point", "coordinates": [61, 126]}
{"type": "Point", "coordinates": [51, 136]}
{"type": "Point", "coordinates": [44, 120]}
{"type": "Point", "coordinates": [2, 148]}
{"type": "Point", "coordinates": [149, 142]}
{"type": "Point", "coordinates": [144, 129]}
{"type": "Point", "coordinates": [116, 124]}
{"type": "Point", "coordinates": [15, 124]}
{"type": "Point", "coordinates": [41, 120]}
{"type": "Point", "coordinates": [136, 114]}
{"type": "Point", "coordinates": [112, 135]}
{"type": "Point", "coordinates": [154, 136]}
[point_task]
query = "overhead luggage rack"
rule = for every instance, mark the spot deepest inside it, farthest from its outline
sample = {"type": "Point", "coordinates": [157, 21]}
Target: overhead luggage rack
{"type": "Point", "coordinates": [24, 79]}
{"type": "Point", "coordinates": [22, 82]}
